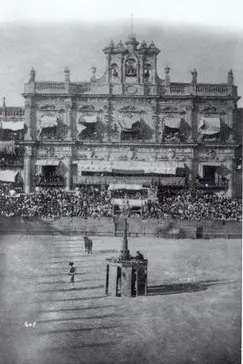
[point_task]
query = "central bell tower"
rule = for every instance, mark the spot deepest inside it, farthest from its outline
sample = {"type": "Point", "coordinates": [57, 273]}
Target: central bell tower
{"type": "Point", "coordinates": [132, 69]}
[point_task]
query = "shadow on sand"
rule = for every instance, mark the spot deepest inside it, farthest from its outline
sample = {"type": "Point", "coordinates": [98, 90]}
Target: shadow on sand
{"type": "Point", "coordinates": [77, 318]}
{"type": "Point", "coordinates": [84, 329]}
{"type": "Point", "coordinates": [176, 288]}
{"type": "Point", "coordinates": [75, 309]}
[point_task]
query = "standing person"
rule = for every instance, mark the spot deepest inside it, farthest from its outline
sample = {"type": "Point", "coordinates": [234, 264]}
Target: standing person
{"type": "Point", "coordinates": [71, 273]}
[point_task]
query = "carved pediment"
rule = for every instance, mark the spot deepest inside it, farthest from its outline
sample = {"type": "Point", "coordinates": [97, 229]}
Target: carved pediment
{"type": "Point", "coordinates": [170, 109]}
{"type": "Point", "coordinates": [209, 110]}
{"type": "Point", "coordinates": [87, 108]}
{"type": "Point", "coordinates": [48, 107]}
{"type": "Point", "coordinates": [130, 109]}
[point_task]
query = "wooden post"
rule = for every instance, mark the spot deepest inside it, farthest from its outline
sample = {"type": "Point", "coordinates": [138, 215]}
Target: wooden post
{"type": "Point", "coordinates": [137, 283]}
{"type": "Point", "coordinates": [146, 282]}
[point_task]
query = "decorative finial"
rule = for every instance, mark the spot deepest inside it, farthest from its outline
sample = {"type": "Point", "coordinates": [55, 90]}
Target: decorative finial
{"type": "Point", "coordinates": [131, 25]}
{"type": "Point", "coordinates": [194, 76]}
{"type": "Point", "coordinates": [32, 75]}
{"type": "Point", "coordinates": [152, 45]}
{"type": "Point", "coordinates": [230, 77]}
{"type": "Point", "coordinates": [67, 74]}
{"type": "Point", "coordinates": [4, 103]}
{"type": "Point", "coordinates": [167, 76]}
{"type": "Point", "coordinates": [112, 44]}
{"type": "Point", "coordinates": [93, 69]}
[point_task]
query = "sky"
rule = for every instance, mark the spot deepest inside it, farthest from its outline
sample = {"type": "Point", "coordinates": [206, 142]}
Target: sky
{"type": "Point", "coordinates": [50, 34]}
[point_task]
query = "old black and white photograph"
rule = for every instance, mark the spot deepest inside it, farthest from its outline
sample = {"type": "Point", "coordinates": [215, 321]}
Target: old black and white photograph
{"type": "Point", "coordinates": [121, 181]}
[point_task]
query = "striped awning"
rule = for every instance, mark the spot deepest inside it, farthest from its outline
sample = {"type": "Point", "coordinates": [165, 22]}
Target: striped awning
{"type": "Point", "coordinates": [89, 119]}
{"type": "Point", "coordinates": [161, 170]}
{"type": "Point", "coordinates": [48, 121]}
{"type": "Point", "coordinates": [209, 125]}
{"type": "Point", "coordinates": [126, 123]}
{"type": "Point", "coordinates": [114, 187]}
{"type": "Point", "coordinates": [47, 162]}
{"type": "Point", "coordinates": [172, 181]}
{"type": "Point", "coordinates": [8, 175]}
{"type": "Point", "coordinates": [128, 172]}
{"type": "Point", "coordinates": [173, 123]}
{"type": "Point", "coordinates": [13, 125]}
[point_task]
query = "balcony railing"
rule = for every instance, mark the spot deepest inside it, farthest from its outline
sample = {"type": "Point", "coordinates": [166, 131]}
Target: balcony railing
{"type": "Point", "coordinates": [42, 181]}
{"type": "Point", "coordinates": [57, 87]}
{"type": "Point", "coordinates": [106, 180]}
{"type": "Point", "coordinates": [202, 89]}
{"type": "Point", "coordinates": [12, 163]}
{"type": "Point", "coordinates": [220, 185]}
{"type": "Point", "coordinates": [199, 89]}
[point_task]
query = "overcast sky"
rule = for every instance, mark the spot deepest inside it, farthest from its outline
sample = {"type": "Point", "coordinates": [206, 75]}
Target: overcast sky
{"type": "Point", "coordinates": [51, 34]}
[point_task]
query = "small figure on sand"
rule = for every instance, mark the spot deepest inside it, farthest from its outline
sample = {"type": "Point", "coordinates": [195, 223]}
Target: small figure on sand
{"type": "Point", "coordinates": [71, 273]}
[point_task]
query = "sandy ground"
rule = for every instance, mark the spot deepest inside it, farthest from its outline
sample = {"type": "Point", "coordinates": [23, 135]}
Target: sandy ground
{"type": "Point", "coordinates": [191, 315]}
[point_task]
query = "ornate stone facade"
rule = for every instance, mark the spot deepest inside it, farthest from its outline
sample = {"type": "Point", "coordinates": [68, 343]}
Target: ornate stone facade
{"type": "Point", "coordinates": [131, 119]}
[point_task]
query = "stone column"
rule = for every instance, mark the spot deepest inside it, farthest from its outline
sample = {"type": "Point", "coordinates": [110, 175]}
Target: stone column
{"type": "Point", "coordinates": [27, 169]}
{"type": "Point", "coordinates": [68, 174]}
{"type": "Point", "coordinates": [192, 122]}
{"type": "Point", "coordinates": [229, 192]}
{"type": "Point", "coordinates": [68, 107]}
{"type": "Point", "coordinates": [195, 164]}
{"type": "Point", "coordinates": [29, 102]}
{"type": "Point", "coordinates": [230, 122]}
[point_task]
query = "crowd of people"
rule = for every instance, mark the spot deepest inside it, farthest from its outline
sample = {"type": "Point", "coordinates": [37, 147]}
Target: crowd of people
{"type": "Point", "coordinates": [96, 202]}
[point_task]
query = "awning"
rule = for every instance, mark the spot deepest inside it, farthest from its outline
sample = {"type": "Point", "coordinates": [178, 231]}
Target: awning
{"type": "Point", "coordinates": [161, 170]}
{"type": "Point", "coordinates": [128, 172]}
{"type": "Point", "coordinates": [13, 125]}
{"type": "Point", "coordinates": [80, 128]}
{"type": "Point", "coordinates": [132, 202]}
{"type": "Point", "coordinates": [126, 123]}
{"type": "Point", "coordinates": [209, 125]}
{"type": "Point", "coordinates": [172, 181]}
{"type": "Point", "coordinates": [97, 166]}
{"type": "Point", "coordinates": [47, 162]}
{"type": "Point", "coordinates": [90, 119]}
{"type": "Point", "coordinates": [173, 123]}
{"type": "Point", "coordinates": [114, 187]}
{"type": "Point", "coordinates": [8, 175]}
{"type": "Point", "coordinates": [49, 121]}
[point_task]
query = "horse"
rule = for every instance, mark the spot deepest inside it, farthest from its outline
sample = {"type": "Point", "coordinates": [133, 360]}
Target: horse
{"type": "Point", "coordinates": [88, 245]}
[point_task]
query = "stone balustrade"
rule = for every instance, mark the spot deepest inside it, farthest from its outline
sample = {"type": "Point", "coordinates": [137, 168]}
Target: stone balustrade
{"type": "Point", "coordinates": [180, 89]}
{"type": "Point", "coordinates": [202, 89]}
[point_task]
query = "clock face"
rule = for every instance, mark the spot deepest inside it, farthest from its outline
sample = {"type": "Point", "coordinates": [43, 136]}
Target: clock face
{"type": "Point", "coordinates": [131, 89]}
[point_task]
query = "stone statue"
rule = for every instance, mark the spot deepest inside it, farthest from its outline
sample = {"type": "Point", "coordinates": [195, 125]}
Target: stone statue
{"type": "Point", "coordinates": [230, 77]}
{"type": "Point", "coordinates": [32, 75]}
{"type": "Point", "coordinates": [194, 76]}
{"type": "Point", "coordinates": [167, 76]}
{"type": "Point", "coordinates": [67, 74]}
{"type": "Point", "coordinates": [147, 69]}
{"type": "Point", "coordinates": [131, 70]}
{"type": "Point", "coordinates": [93, 77]}
{"type": "Point", "coordinates": [114, 70]}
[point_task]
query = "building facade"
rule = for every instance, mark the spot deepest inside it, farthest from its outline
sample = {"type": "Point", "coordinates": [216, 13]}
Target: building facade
{"type": "Point", "coordinates": [131, 126]}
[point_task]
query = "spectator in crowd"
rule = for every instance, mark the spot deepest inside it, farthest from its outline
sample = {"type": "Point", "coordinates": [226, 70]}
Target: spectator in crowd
{"type": "Point", "coordinates": [95, 202]}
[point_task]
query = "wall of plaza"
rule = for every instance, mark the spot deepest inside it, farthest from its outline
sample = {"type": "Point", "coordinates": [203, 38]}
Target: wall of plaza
{"type": "Point", "coordinates": [107, 151]}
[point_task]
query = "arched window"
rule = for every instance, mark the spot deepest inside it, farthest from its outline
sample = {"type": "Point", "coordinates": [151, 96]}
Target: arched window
{"type": "Point", "coordinates": [131, 67]}
{"type": "Point", "coordinates": [147, 70]}
{"type": "Point", "coordinates": [114, 71]}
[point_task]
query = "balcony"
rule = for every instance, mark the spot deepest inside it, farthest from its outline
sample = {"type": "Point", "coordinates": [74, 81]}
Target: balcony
{"type": "Point", "coordinates": [12, 163]}
{"type": "Point", "coordinates": [106, 180]}
{"type": "Point", "coordinates": [43, 181]}
{"type": "Point", "coordinates": [207, 185]}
